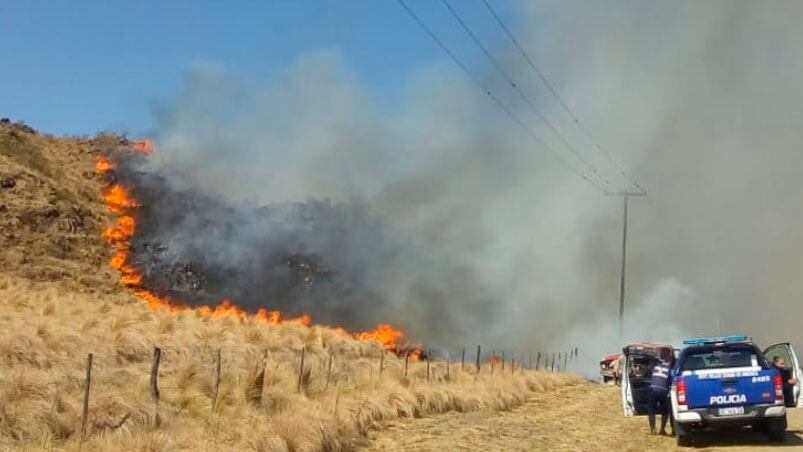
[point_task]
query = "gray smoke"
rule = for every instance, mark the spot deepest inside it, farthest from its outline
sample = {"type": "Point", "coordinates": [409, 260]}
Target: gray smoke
{"type": "Point", "coordinates": [443, 217]}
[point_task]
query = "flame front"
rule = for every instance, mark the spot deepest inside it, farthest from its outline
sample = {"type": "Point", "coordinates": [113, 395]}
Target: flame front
{"type": "Point", "coordinates": [119, 200]}
{"type": "Point", "coordinates": [104, 165]}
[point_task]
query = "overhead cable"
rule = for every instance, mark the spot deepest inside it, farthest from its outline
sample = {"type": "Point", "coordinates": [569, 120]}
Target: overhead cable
{"type": "Point", "coordinates": [494, 98]}
{"type": "Point", "coordinates": [560, 100]}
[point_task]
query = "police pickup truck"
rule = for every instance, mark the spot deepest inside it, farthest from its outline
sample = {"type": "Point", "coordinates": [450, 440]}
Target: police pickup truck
{"type": "Point", "coordinates": [728, 381]}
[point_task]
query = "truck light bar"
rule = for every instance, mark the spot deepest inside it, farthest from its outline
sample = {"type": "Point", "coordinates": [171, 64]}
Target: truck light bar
{"type": "Point", "coordinates": [716, 340]}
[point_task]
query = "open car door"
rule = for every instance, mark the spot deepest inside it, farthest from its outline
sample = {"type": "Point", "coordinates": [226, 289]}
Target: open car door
{"type": "Point", "coordinates": [627, 393]}
{"type": "Point", "coordinates": [636, 372]}
{"type": "Point", "coordinates": [787, 352]}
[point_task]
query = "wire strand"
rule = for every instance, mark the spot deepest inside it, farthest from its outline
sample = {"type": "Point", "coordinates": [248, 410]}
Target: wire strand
{"type": "Point", "coordinates": [522, 94]}
{"type": "Point", "coordinates": [560, 100]}
{"type": "Point", "coordinates": [495, 99]}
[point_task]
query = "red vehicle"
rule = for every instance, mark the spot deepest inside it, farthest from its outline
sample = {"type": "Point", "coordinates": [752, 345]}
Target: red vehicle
{"type": "Point", "coordinates": [607, 367]}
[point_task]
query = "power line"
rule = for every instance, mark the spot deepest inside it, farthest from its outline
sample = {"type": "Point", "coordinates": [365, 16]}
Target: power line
{"type": "Point", "coordinates": [496, 100]}
{"type": "Point", "coordinates": [521, 93]}
{"type": "Point", "coordinates": [560, 100]}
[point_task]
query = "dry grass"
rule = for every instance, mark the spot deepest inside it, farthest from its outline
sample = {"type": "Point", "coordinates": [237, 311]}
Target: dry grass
{"type": "Point", "coordinates": [59, 300]}
{"type": "Point", "coordinates": [45, 335]}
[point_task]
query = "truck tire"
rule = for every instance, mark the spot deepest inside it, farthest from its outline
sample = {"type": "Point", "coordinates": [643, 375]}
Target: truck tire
{"type": "Point", "coordinates": [776, 428]}
{"type": "Point", "coordinates": [683, 435]}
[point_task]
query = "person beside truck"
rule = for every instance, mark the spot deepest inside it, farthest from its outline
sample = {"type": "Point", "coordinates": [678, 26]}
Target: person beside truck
{"type": "Point", "coordinates": [789, 381]}
{"type": "Point", "coordinates": [659, 394]}
{"type": "Point", "coordinates": [716, 382]}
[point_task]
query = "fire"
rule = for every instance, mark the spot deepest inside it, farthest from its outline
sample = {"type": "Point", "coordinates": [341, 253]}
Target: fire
{"type": "Point", "coordinates": [104, 165]}
{"type": "Point", "coordinates": [494, 360]}
{"type": "Point", "coordinates": [143, 146]}
{"type": "Point", "coordinates": [384, 333]}
{"type": "Point", "coordinates": [119, 200]}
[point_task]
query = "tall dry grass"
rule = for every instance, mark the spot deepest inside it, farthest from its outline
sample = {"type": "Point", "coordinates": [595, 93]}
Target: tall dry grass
{"type": "Point", "coordinates": [45, 335]}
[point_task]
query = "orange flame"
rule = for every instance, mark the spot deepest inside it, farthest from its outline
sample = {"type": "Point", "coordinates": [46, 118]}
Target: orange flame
{"type": "Point", "coordinates": [103, 165]}
{"type": "Point", "coordinates": [119, 200]}
{"type": "Point", "coordinates": [384, 333]}
{"type": "Point", "coordinates": [143, 146]}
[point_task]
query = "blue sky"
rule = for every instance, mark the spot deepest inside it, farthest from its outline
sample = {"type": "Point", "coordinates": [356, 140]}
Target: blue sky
{"type": "Point", "coordinates": [79, 67]}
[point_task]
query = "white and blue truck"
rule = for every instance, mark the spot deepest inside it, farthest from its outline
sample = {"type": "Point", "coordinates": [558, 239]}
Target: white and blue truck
{"type": "Point", "coordinates": [722, 382]}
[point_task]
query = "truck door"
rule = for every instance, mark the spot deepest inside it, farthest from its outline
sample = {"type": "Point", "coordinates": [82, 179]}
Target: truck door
{"type": "Point", "coordinates": [627, 394]}
{"type": "Point", "coordinates": [787, 352]}
{"type": "Point", "coordinates": [636, 372]}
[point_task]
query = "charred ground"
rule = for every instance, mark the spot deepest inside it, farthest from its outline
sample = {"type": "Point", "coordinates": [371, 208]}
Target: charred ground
{"type": "Point", "coordinates": [333, 260]}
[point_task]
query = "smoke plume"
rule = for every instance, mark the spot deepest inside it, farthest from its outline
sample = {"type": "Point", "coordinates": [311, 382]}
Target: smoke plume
{"type": "Point", "coordinates": [440, 215]}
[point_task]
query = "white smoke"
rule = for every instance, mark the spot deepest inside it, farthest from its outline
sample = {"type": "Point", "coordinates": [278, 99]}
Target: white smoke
{"type": "Point", "coordinates": [653, 319]}
{"type": "Point", "coordinates": [698, 100]}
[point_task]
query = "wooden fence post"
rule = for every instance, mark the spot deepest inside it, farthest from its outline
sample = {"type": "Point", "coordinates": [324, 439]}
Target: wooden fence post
{"type": "Point", "coordinates": [537, 360]}
{"type": "Point", "coordinates": [463, 361]}
{"type": "Point", "coordinates": [553, 362]}
{"type": "Point", "coordinates": [329, 369]}
{"type": "Point", "coordinates": [428, 355]}
{"type": "Point", "coordinates": [448, 368]}
{"type": "Point", "coordinates": [264, 378]}
{"type": "Point", "coordinates": [565, 360]}
{"type": "Point", "coordinates": [217, 381]}
{"type": "Point", "coordinates": [85, 411]}
{"type": "Point", "coordinates": [406, 361]}
{"type": "Point", "coordinates": [382, 362]}
{"type": "Point", "coordinates": [479, 348]}
{"type": "Point", "coordinates": [154, 384]}
{"type": "Point", "coordinates": [503, 360]}
{"type": "Point", "coordinates": [493, 360]}
{"type": "Point", "coordinates": [301, 368]}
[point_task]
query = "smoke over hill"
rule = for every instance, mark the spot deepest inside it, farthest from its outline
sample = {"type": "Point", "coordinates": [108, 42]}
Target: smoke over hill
{"type": "Point", "coordinates": [333, 260]}
{"type": "Point", "coordinates": [444, 217]}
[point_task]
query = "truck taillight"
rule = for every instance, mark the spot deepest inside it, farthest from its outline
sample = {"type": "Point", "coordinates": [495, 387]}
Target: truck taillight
{"type": "Point", "coordinates": [681, 391]}
{"type": "Point", "coordinates": [778, 382]}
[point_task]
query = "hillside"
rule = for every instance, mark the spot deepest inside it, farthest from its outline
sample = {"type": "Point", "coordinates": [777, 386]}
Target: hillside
{"type": "Point", "coordinates": [284, 386]}
{"type": "Point", "coordinates": [52, 215]}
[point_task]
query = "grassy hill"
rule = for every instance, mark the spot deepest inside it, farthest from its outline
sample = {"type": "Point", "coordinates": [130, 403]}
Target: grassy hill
{"type": "Point", "coordinates": [60, 301]}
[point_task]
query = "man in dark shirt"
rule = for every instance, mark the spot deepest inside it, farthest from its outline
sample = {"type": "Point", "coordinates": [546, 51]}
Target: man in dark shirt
{"type": "Point", "coordinates": [659, 394]}
{"type": "Point", "coordinates": [789, 381]}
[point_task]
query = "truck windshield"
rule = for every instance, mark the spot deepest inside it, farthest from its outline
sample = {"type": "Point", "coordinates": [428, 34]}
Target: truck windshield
{"type": "Point", "coordinates": [720, 357]}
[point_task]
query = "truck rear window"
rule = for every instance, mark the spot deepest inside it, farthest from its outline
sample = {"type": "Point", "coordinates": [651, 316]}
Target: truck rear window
{"type": "Point", "coordinates": [719, 358]}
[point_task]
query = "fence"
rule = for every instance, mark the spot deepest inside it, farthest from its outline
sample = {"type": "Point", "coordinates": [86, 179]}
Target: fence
{"type": "Point", "coordinates": [438, 364]}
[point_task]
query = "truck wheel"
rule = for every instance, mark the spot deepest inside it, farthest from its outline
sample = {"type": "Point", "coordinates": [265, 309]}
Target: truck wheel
{"type": "Point", "coordinates": [760, 427]}
{"type": "Point", "coordinates": [776, 428]}
{"type": "Point", "coordinates": [683, 435]}
{"type": "Point", "coordinates": [606, 380]}
{"type": "Point", "coordinates": [685, 440]}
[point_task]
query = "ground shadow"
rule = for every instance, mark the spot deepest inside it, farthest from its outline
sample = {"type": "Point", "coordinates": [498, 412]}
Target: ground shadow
{"type": "Point", "coordinates": [745, 437]}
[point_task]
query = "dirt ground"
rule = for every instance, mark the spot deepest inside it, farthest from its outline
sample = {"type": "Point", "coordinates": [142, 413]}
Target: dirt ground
{"type": "Point", "coordinates": [580, 418]}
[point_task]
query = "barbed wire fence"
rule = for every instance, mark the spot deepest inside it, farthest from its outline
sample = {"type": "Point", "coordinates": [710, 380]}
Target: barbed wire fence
{"type": "Point", "coordinates": [251, 372]}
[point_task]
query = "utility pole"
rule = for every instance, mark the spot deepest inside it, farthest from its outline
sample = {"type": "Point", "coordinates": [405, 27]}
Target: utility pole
{"type": "Point", "coordinates": [625, 195]}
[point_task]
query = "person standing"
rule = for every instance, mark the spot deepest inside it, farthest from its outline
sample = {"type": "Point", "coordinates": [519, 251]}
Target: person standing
{"type": "Point", "coordinates": [659, 394]}
{"type": "Point", "coordinates": [789, 381]}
